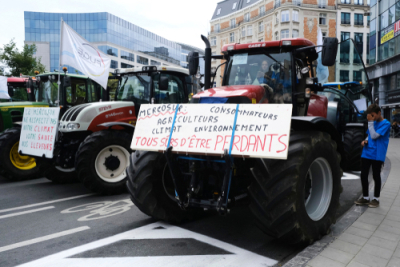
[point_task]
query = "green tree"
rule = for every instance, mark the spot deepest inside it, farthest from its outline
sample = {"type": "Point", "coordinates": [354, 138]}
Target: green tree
{"type": "Point", "coordinates": [21, 61]}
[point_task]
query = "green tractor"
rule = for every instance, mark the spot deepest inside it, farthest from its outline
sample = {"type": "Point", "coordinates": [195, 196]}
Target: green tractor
{"type": "Point", "coordinates": [41, 91]}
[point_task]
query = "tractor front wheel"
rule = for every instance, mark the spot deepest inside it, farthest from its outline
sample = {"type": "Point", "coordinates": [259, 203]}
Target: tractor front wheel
{"type": "Point", "coordinates": [296, 199]}
{"type": "Point", "coordinates": [14, 166]}
{"type": "Point", "coordinates": [102, 159]}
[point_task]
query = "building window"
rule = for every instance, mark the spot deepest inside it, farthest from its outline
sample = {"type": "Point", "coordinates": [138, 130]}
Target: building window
{"type": "Point", "coordinates": [216, 27]}
{"type": "Point", "coordinates": [233, 23]}
{"type": "Point", "coordinates": [262, 10]}
{"type": "Point", "coordinates": [284, 34]}
{"type": "Point", "coordinates": [114, 64]}
{"type": "Point", "coordinates": [232, 37]}
{"type": "Point", "coordinates": [261, 26]}
{"type": "Point", "coordinates": [261, 40]}
{"type": "Point", "coordinates": [358, 19]}
{"type": "Point", "coordinates": [322, 18]}
{"type": "Point", "coordinates": [358, 40]}
{"type": "Point", "coordinates": [345, 18]}
{"type": "Point", "coordinates": [367, 48]}
{"type": "Point", "coordinates": [345, 1]}
{"type": "Point", "coordinates": [359, 2]}
{"type": "Point", "coordinates": [285, 15]}
{"type": "Point", "coordinates": [218, 11]}
{"type": "Point", "coordinates": [344, 75]}
{"type": "Point", "coordinates": [213, 41]}
{"type": "Point", "coordinates": [234, 5]}
{"type": "Point", "coordinates": [277, 36]}
{"type": "Point", "coordinates": [296, 2]}
{"type": "Point", "coordinates": [322, 3]}
{"type": "Point", "coordinates": [127, 56]}
{"type": "Point", "coordinates": [384, 20]}
{"type": "Point", "coordinates": [295, 33]}
{"type": "Point", "coordinates": [295, 15]}
{"type": "Point", "coordinates": [125, 66]}
{"type": "Point", "coordinates": [142, 60]}
{"type": "Point", "coordinates": [277, 3]}
{"type": "Point", "coordinates": [155, 63]}
{"type": "Point", "coordinates": [345, 48]}
{"type": "Point", "coordinates": [109, 50]}
{"type": "Point", "coordinates": [357, 76]}
{"type": "Point", "coordinates": [247, 17]}
{"type": "Point", "coordinates": [368, 20]}
{"type": "Point", "coordinates": [243, 32]}
{"type": "Point", "coordinates": [323, 35]}
{"type": "Point", "coordinates": [249, 30]}
{"type": "Point", "coordinates": [392, 15]}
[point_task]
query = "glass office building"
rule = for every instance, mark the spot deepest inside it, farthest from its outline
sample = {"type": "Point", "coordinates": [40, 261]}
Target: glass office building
{"type": "Point", "coordinates": [125, 41]}
{"type": "Point", "coordinates": [384, 55]}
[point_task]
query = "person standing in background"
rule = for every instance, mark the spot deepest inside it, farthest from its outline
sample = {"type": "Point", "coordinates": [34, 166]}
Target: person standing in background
{"type": "Point", "coordinates": [374, 154]}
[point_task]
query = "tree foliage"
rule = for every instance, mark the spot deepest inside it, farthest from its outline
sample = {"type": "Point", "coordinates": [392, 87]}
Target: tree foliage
{"type": "Point", "coordinates": [21, 62]}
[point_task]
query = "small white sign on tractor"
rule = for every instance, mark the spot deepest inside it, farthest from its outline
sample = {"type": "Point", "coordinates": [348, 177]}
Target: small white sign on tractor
{"type": "Point", "coordinates": [259, 131]}
{"type": "Point", "coordinates": [38, 131]}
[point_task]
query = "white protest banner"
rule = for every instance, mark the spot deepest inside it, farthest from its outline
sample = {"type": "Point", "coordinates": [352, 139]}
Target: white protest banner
{"type": "Point", "coordinates": [38, 131]}
{"type": "Point", "coordinates": [76, 52]}
{"type": "Point", "coordinates": [3, 88]}
{"type": "Point", "coordinates": [259, 130]}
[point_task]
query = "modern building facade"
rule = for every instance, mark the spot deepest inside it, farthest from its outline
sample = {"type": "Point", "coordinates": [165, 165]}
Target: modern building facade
{"type": "Point", "coordinates": [245, 21]}
{"type": "Point", "coordinates": [384, 56]}
{"type": "Point", "coordinates": [127, 44]}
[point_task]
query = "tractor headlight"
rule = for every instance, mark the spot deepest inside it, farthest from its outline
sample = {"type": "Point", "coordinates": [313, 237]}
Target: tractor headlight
{"type": "Point", "coordinates": [73, 126]}
{"type": "Point", "coordinates": [309, 81]}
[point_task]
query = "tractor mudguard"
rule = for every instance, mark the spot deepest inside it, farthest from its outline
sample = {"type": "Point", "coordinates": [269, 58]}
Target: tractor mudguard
{"type": "Point", "coordinates": [127, 126]}
{"type": "Point", "coordinates": [310, 123]}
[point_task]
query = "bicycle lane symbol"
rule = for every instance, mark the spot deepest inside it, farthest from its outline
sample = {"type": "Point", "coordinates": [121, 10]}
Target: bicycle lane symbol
{"type": "Point", "coordinates": [102, 209]}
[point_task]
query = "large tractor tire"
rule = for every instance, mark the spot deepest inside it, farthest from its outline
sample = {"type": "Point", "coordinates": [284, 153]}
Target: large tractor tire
{"type": "Point", "coordinates": [102, 159]}
{"type": "Point", "coordinates": [14, 166]}
{"type": "Point", "coordinates": [296, 199]}
{"type": "Point", "coordinates": [353, 149]}
{"type": "Point", "coordinates": [148, 179]}
{"type": "Point", "coordinates": [59, 175]}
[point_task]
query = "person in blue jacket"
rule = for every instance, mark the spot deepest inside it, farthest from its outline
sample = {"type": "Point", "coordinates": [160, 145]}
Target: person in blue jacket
{"type": "Point", "coordinates": [374, 153]}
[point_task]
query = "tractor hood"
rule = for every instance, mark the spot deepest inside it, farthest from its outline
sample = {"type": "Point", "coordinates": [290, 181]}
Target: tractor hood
{"type": "Point", "coordinates": [89, 116]}
{"type": "Point", "coordinates": [252, 92]}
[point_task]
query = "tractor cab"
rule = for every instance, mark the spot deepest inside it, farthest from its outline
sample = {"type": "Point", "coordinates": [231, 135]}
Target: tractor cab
{"type": "Point", "coordinates": [145, 85]}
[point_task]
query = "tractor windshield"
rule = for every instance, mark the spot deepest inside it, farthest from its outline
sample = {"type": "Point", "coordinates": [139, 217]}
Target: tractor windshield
{"type": "Point", "coordinates": [135, 88]}
{"type": "Point", "coordinates": [48, 90]}
{"type": "Point", "coordinates": [19, 91]}
{"type": "Point", "coordinates": [271, 69]}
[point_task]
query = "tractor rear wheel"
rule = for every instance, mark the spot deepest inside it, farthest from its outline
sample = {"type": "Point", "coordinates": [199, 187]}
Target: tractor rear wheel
{"type": "Point", "coordinates": [102, 159]}
{"type": "Point", "coordinates": [14, 166]}
{"type": "Point", "coordinates": [148, 180]}
{"type": "Point", "coordinates": [296, 199]}
{"type": "Point", "coordinates": [353, 149]}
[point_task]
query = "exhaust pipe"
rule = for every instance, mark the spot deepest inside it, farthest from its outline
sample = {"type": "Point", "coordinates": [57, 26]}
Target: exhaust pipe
{"type": "Point", "coordinates": [207, 63]}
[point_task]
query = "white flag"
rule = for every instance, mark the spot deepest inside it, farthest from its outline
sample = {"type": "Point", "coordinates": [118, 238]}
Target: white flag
{"type": "Point", "coordinates": [83, 56]}
{"type": "Point", "coordinates": [3, 88]}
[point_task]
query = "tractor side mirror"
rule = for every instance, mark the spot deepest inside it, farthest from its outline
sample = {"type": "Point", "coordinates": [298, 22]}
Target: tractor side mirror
{"type": "Point", "coordinates": [329, 51]}
{"type": "Point", "coordinates": [164, 81]}
{"type": "Point", "coordinates": [10, 91]}
{"type": "Point", "coordinates": [193, 60]}
{"type": "Point", "coordinates": [67, 81]}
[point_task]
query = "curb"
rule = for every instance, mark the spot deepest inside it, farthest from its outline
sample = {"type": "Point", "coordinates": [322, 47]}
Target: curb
{"type": "Point", "coordinates": [344, 222]}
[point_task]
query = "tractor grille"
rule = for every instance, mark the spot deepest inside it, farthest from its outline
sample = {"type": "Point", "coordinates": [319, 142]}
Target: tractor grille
{"type": "Point", "coordinates": [72, 113]}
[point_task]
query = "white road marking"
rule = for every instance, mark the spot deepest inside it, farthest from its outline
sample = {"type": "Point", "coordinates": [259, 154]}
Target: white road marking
{"type": "Point", "coordinates": [239, 257]}
{"type": "Point", "coordinates": [351, 175]}
{"type": "Point", "coordinates": [43, 238]}
{"type": "Point", "coordinates": [45, 203]}
{"type": "Point", "coordinates": [25, 212]}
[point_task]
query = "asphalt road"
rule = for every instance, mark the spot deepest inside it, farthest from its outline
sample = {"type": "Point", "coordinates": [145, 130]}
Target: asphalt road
{"type": "Point", "coordinates": [39, 219]}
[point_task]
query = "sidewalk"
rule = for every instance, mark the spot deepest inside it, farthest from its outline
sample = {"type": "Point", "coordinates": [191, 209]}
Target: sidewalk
{"type": "Point", "coordinates": [373, 240]}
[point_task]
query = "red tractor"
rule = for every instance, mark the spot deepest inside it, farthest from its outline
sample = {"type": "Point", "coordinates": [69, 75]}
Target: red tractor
{"type": "Point", "coordinates": [295, 199]}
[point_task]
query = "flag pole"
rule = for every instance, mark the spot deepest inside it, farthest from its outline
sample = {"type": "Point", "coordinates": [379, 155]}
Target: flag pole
{"type": "Point", "coordinates": [59, 61]}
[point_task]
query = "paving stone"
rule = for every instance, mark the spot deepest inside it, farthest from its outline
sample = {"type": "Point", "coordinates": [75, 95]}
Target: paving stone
{"type": "Point", "coordinates": [371, 218]}
{"type": "Point", "coordinates": [354, 263]}
{"type": "Point", "coordinates": [386, 235]}
{"type": "Point", "coordinates": [393, 218]}
{"type": "Point", "coordinates": [345, 246]}
{"type": "Point", "coordinates": [370, 260]}
{"type": "Point", "coordinates": [377, 251]}
{"type": "Point", "coordinates": [389, 229]}
{"type": "Point", "coordinates": [321, 261]}
{"type": "Point", "coordinates": [359, 232]}
{"type": "Point", "coordinates": [391, 223]}
{"type": "Point", "coordinates": [365, 226]}
{"type": "Point", "coordinates": [380, 210]}
{"type": "Point", "coordinates": [394, 262]}
{"type": "Point", "coordinates": [353, 239]}
{"type": "Point", "coordinates": [397, 252]}
{"type": "Point", "coordinates": [382, 243]}
{"type": "Point", "coordinates": [337, 255]}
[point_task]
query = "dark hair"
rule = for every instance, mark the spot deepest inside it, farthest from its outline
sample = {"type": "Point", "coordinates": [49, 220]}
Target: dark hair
{"type": "Point", "coordinates": [373, 108]}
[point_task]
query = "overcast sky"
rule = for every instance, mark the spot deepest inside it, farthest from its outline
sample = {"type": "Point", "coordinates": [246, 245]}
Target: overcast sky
{"type": "Point", "coordinates": [177, 20]}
